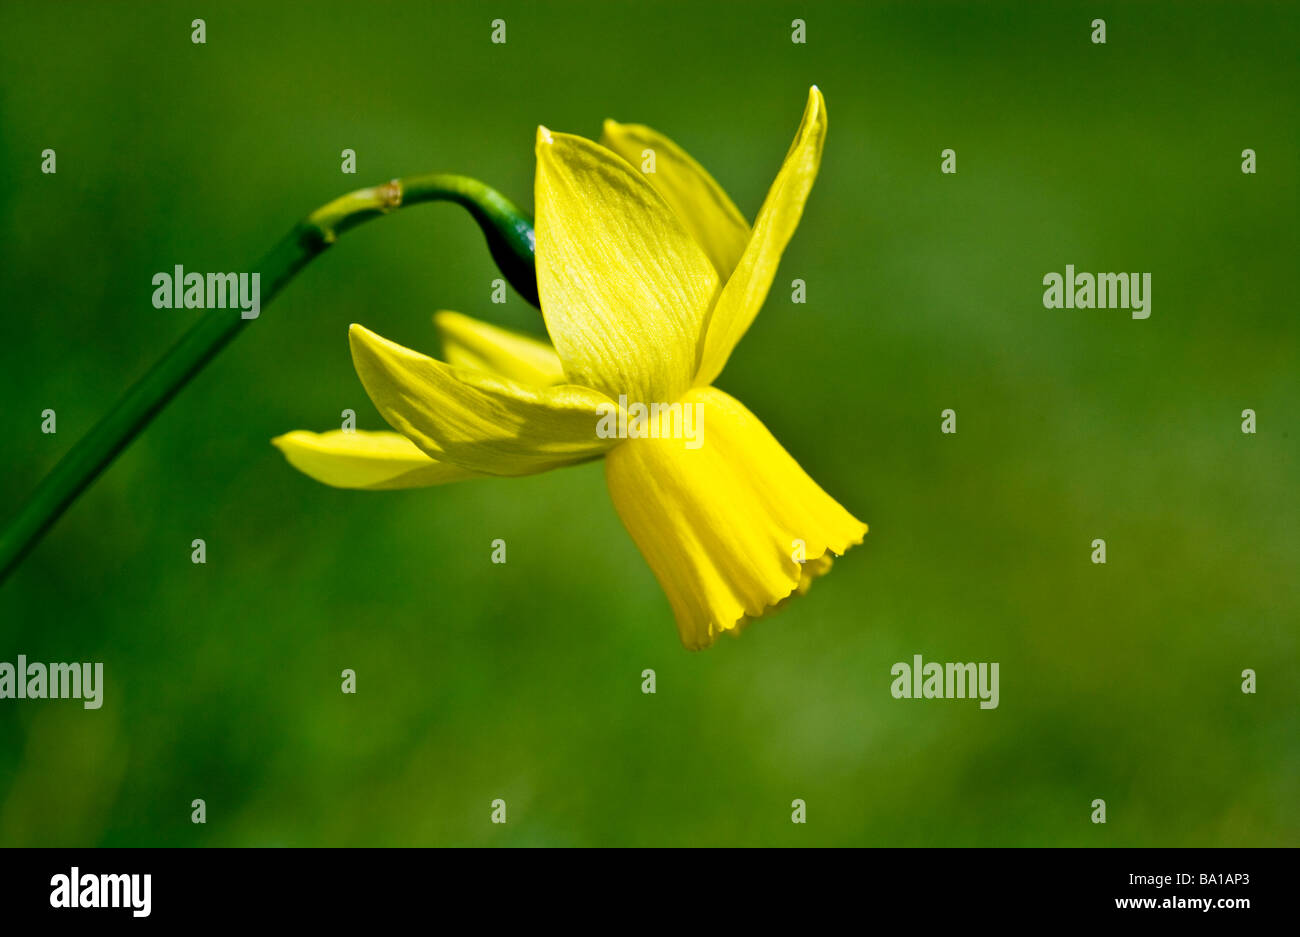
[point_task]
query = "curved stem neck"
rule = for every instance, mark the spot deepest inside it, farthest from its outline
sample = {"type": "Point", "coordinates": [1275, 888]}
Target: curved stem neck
{"type": "Point", "coordinates": [509, 235]}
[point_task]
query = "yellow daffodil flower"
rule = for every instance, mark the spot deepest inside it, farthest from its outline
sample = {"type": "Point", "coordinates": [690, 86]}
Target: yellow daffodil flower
{"type": "Point", "coordinates": [647, 282]}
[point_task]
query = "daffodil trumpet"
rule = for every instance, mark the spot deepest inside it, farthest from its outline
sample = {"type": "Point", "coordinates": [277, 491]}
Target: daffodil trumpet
{"type": "Point", "coordinates": [647, 281]}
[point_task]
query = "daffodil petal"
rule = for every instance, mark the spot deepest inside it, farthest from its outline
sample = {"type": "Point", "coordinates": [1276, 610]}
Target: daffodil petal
{"type": "Point", "coordinates": [700, 203]}
{"type": "Point", "coordinates": [745, 291]}
{"type": "Point", "coordinates": [360, 459]}
{"type": "Point", "coordinates": [470, 343]}
{"type": "Point", "coordinates": [721, 525]}
{"type": "Point", "coordinates": [479, 421]}
{"type": "Point", "coordinates": [624, 287]}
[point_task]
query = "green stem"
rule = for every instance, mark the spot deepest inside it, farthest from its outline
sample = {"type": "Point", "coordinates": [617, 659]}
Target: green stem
{"type": "Point", "coordinates": [509, 234]}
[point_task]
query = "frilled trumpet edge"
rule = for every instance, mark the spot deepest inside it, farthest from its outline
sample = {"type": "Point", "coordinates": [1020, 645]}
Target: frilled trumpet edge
{"type": "Point", "coordinates": [732, 527]}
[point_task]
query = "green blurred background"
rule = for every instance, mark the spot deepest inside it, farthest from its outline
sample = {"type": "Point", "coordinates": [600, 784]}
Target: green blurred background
{"type": "Point", "coordinates": [478, 681]}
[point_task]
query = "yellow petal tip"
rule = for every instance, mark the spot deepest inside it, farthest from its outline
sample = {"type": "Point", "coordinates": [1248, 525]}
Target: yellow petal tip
{"type": "Point", "coordinates": [544, 135]}
{"type": "Point", "coordinates": [285, 441]}
{"type": "Point", "coordinates": [365, 346]}
{"type": "Point", "coordinates": [359, 334]}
